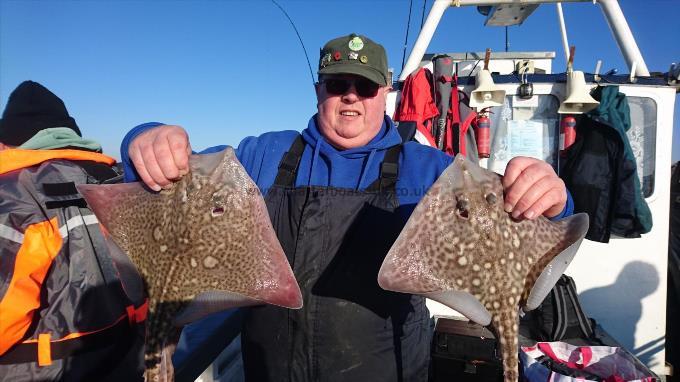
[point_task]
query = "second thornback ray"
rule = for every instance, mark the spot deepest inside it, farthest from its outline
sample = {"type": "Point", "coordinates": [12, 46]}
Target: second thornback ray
{"type": "Point", "coordinates": [461, 248]}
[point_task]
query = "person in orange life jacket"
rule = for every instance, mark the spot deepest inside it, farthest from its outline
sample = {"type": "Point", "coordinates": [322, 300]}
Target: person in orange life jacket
{"type": "Point", "coordinates": [336, 214]}
{"type": "Point", "coordinates": [70, 311]}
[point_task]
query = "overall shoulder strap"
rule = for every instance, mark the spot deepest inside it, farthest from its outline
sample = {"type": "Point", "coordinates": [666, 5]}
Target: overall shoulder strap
{"type": "Point", "coordinates": [289, 164]}
{"type": "Point", "coordinates": [389, 171]}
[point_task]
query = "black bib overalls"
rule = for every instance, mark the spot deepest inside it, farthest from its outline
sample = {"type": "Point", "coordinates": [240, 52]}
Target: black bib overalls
{"type": "Point", "coordinates": [349, 329]}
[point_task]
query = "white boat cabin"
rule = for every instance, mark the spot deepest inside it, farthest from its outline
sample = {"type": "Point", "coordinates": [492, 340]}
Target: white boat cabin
{"type": "Point", "coordinates": [622, 283]}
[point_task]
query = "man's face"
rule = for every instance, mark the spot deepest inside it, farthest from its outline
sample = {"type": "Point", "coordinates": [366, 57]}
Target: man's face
{"type": "Point", "coordinates": [353, 118]}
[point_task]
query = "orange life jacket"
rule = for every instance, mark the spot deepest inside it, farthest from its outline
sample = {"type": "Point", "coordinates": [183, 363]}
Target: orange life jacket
{"type": "Point", "coordinates": [69, 310]}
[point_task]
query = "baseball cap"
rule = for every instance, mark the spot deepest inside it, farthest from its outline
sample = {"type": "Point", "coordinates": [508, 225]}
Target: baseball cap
{"type": "Point", "coordinates": [354, 54]}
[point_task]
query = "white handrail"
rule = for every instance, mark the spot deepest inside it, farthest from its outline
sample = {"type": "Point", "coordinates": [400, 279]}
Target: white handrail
{"type": "Point", "coordinates": [623, 36]}
{"type": "Point", "coordinates": [563, 30]}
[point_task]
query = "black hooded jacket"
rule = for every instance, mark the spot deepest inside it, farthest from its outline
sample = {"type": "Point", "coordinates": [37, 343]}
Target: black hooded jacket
{"type": "Point", "coordinates": [601, 173]}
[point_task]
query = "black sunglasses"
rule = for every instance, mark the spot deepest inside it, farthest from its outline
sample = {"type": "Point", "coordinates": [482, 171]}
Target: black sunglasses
{"type": "Point", "coordinates": [339, 86]}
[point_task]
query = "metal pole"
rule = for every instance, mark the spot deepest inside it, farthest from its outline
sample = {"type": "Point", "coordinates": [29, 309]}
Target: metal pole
{"type": "Point", "coordinates": [623, 36]}
{"type": "Point", "coordinates": [563, 30]}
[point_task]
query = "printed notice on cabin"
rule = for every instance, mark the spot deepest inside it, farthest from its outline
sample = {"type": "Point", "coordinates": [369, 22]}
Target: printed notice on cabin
{"type": "Point", "coordinates": [525, 138]}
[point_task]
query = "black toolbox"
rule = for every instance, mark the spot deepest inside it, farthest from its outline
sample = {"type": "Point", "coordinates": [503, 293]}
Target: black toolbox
{"type": "Point", "coordinates": [464, 351]}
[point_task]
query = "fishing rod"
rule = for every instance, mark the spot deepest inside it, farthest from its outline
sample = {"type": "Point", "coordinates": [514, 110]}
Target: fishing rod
{"type": "Point", "coordinates": [408, 26]}
{"type": "Point", "coordinates": [311, 73]}
{"type": "Point", "coordinates": [422, 16]}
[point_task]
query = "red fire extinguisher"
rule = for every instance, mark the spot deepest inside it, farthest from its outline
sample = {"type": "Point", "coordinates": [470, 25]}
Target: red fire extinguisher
{"type": "Point", "coordinates": [483, 130]}
{"type": "Point", "coordinates": [568, 133]}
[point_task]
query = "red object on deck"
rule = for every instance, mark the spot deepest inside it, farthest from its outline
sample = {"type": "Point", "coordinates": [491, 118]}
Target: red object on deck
{"type": "Point", "coordinates": [483, 139]}
{"type": "Point", "coordinates": [568, 133]}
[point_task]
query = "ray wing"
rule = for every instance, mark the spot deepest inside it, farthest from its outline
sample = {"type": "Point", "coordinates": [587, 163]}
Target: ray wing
{"type": "Point", "coordinates": [128, 212]}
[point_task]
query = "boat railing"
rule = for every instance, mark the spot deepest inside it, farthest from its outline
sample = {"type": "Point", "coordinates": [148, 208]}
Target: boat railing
{"type": "Point", "coordinates": [610, 9]}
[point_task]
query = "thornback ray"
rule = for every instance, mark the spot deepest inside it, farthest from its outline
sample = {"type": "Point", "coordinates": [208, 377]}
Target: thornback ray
{"type": "Point", "coordinates": [202, 246]}
{"type": "Point", "coordinates": [461, 248]}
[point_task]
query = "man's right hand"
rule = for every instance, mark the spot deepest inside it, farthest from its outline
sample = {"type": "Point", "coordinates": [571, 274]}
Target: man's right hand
{"type": "Point", "coordinates": [161, 155]}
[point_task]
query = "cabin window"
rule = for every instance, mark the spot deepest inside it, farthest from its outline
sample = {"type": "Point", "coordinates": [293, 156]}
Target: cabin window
{"type": "Point", "coordinates": [642, 137]}
{"type": "Point", "coordinates": [524, 128]}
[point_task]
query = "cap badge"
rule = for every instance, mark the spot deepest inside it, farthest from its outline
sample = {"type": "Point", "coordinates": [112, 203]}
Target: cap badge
{"type": "Point", "coordinates": [363, 59]}
{"type": "Point", "coordinates": [356, 44]}
{"type": "Point", "coordinates": [353, 55]}
{"type": "Point", "coordinates": [325, 59]}
{"type": "Point", "coordinates": [337, 56]}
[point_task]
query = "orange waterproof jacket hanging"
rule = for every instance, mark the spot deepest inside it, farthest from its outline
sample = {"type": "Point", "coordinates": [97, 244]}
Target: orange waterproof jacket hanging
{"type": "Point", "coordinates": [69, 311]}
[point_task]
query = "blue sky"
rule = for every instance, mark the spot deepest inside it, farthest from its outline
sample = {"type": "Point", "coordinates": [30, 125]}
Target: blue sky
{"type": "Point", "coordinates": [228, 69]}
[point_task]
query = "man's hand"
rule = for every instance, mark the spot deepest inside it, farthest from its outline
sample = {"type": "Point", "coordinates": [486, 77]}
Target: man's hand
{"type": "Point", "coordinates": [532, 188]}
{"type": "Point", "coordinates": [161, 155]}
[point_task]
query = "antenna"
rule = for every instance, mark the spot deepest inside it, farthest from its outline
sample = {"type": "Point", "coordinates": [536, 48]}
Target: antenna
{"type": "Point", "coordinates": [408, 26]}
{"type": "Point", "coordinates": [299, 38]}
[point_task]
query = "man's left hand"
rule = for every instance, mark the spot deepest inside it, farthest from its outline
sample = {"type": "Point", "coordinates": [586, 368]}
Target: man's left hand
{"type": "Point", "coordinates": [532, 188]}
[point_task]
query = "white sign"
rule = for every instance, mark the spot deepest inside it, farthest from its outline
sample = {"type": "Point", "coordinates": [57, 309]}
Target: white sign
{"type": "Point", "coordinates": [525, 138]}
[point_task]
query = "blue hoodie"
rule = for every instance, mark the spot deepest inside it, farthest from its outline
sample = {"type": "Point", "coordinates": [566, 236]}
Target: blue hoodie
{"type": "Point", "coordinates": [324, 165]}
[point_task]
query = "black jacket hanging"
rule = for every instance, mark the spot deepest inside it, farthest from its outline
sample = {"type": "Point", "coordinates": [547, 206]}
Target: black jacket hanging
{"type": "Point", "coordinates": [601, 173]}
